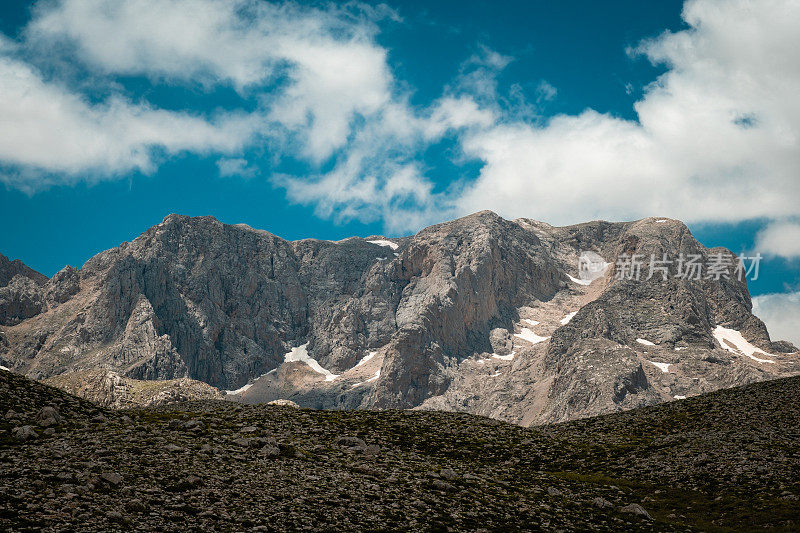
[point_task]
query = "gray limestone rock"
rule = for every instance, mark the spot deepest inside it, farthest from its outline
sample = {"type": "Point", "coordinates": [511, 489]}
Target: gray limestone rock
{"type": "Point", "coordinates": [480, 314]}
{"type": "Point", "coordinates": [22, 298]}
{"type": "Point", "coordinates": [24, 433]}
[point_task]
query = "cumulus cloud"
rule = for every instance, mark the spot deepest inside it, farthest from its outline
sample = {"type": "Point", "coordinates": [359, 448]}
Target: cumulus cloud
{"type": "Point", "coordinates": [240, 41]}
{"type": "Point", "coordinates": [379, 176]}
{"type": "Point", "coordinates": [781, 239]}
{"type": "Point", "coordinates": [49, 129]}
{"type": "Point", "coordinates": [717, 136]}
{"type": "Point", "coordinates": [323, 91]}
{"type": "Point", "coordinates": [781, 313]}
{"type": "Point", "coordinates": [322, 67]}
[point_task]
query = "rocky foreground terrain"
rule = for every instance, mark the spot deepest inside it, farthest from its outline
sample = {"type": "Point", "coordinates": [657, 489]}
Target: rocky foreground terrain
{"type": "Point", "coordinates": [479, 315]}
{"type": "Point", "coordinates": [728, 460]}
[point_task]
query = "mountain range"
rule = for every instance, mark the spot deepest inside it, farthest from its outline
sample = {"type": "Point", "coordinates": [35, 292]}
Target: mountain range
{"type": "Point", "coordinates": [480, 315]}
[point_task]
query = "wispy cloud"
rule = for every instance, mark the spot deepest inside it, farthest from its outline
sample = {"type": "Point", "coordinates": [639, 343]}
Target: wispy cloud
{"type": "Point", "coordinates": [51, 131]}
{"type": "Point", "coordinates": [780, 239]}
{"type": "Point", "coordinates": [545, 91]}
{"type": "Point", "coordinates": [314, 69]}
{"type": "Point", "coordinates": [235, 166]}
{"type": "Point", "coordinates": [324, 89]}
{"type": "Point", "coordinates": [717, 136]}
{"type": "Point", "coordinates": [781, 313]}
{"type": "Point", "coordinates": [687, 156]}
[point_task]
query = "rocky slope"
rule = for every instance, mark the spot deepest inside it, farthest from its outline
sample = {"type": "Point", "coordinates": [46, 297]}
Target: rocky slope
{"type": "Point", "coordinates": [109, 389]}
{"type": "Point", "coordinates": [481, 315]}
{"type": "Point", "coordinates": [67, 464]}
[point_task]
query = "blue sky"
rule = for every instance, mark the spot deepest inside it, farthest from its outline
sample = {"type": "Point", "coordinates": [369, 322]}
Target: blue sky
{"type": "Point", "coordinates": [330, 120]}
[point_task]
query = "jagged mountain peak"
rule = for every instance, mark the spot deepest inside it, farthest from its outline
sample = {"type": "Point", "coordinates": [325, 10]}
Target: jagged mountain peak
{"type": "Point", "coordinates": [479, 314]}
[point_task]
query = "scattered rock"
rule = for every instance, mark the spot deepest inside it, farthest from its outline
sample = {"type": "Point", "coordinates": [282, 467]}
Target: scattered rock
{"type": "Point", "coordinates": [436, 470]}
{"type": "Point", "coordinates": [284, 403]}
{"type": "Point", "coordinates": [24, 433]}
{"type": "Point", "coordinates": [635, 508]}
{"type": "Point", "coordinates": [193, 480]}
{"type": "Point", "coordinates": [448, 473]}
{"type": "Point", "coordinates": [112, 478]}
{"type": "Point", "coordinates": [270, 451]}
{"type": "Point", "coordinates": [443, 486]}
{"type": "Point", "coordinates": [48, 416]}
{"type": "Point", "coordinates": [351, 442]}
{"type": "Point", "coordinates": [193, 425]}
{"type": "Point", "coordinates": [135, 505]}
{"type": "Point", "coordinates": [602, 503]}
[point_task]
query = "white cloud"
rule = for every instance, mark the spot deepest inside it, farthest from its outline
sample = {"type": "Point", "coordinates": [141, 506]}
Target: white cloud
{"type": "Point", "coordinates": [235, 166]}
{"type": "Point", "coordinates": [457, 113]}
{"type": "Point", "coordinates": [545, 91]}
{"type": "Point", "coordinates": [324, 89]}
{"type": "Point", "coordinates": [176, 39]}
{"type": "Point", "coordinates": [49, 129]}
{"type": "Point", "coordinates": [718, 135]}
{"type": "Point", "coordinates": [331, 83]}
{"type": "Point", "coordinates": [780, 239]}
{"type": "Point", "coordinates": [378, 179]}
{"type": "Point", "coordinates": [324, 63]}
{"type": "Point", "coordinates": [781, 313]}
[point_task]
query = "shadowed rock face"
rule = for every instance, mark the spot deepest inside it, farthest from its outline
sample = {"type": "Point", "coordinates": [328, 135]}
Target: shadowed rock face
{"type": "Point", "coordinates": [21, 294]}
{"type": "Point", "coordinates": [10, 269]}
{"type": "Point", "coordinates": [477, 315]}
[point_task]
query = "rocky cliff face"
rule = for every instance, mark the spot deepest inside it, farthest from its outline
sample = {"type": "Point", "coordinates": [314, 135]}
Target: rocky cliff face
{"type": "Point", "coordinates": [109, 389]}
{"type": "Point", "coordinates": [480, 314]}
{"type": "Point", "coordinates": [21, 294]}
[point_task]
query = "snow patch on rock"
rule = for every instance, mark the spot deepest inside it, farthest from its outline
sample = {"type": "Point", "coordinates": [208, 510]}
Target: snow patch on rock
{"type": "Point", "coordinates": [579, 281]}
{"type": "Point", "coordinates": [508, 357]}
{"type": "Point", "coordinates": [364, 359]}
{"type": "Point", "coordinates": [645, 342]}
{"type": "Point", "coordinates": [244, 388]}
{"type": "Point", "coordinates": [528, 335]}
{"type": "Point", "coordinates": [733, 341]}
{"type": "Point", "coordinates": [566, 319]}
{"type": "Point", "coordinates": [300, 353]}
{"type": "Point", "coordinates": [664, 367]}
{"type": "Point", "coordinates": [384, 242]}
{"type": "Point", "coordinates": [240, 390]}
